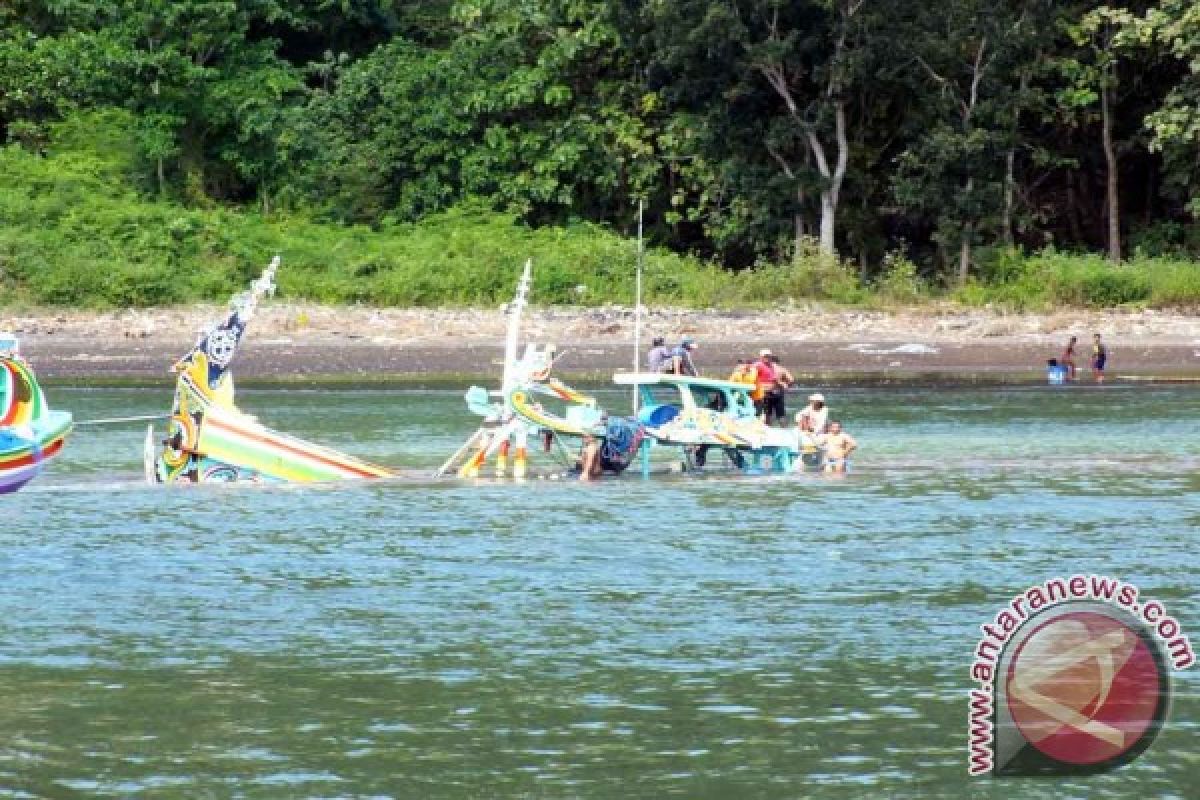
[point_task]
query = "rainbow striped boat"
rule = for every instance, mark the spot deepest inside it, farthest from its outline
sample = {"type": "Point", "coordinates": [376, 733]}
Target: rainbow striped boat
{"type": "Point", "coordinates": [30, 433]}
{"type": "Point", "coordinates": [210, 441]}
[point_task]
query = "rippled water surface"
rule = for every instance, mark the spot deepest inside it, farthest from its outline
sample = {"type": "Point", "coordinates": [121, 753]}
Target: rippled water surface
{"type": "Point", "coordinates": [683, 636]}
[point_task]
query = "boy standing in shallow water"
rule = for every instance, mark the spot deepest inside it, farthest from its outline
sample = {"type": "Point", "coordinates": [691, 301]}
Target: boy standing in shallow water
{"type": "Point", "coordinates": [1068, 358]}
{"type": "Point", "coordinates": [838, 447]}
{"type": "Point", "coordinates": [1099, 358]}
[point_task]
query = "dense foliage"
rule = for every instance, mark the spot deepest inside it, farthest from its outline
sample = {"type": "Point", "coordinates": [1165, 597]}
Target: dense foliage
{"type": "Point", "coordinates": [937, 139]}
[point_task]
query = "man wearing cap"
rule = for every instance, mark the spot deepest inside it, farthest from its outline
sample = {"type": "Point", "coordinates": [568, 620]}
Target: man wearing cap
{"type": "Point", "coordinates": [659, 356]}
{"type": "Point", "coordinates": [681, 358]}
{"type": "Point", "coordinates": [764, 381]}
{"type": "Point", "coordinates": [815, 416]}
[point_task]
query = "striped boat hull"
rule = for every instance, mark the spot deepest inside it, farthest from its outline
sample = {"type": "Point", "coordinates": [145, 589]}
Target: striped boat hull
{"type": "Point", "coordinates": [236, 440]}
{"type": "Point", "coordinates": [24, 451]}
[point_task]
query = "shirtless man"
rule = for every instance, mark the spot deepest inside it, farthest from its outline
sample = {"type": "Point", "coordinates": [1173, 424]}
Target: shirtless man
{"type": "Point", "coordinates": [838, 447]}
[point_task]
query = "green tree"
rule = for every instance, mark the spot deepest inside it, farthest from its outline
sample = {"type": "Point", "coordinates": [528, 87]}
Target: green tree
{"type": "Point", "coordinates": [966, 68]}
{"type": "Point", "coordinates": [1173, 27]}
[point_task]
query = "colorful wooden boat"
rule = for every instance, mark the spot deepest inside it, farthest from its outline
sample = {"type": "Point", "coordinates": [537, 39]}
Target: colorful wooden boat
{"type": "Point", "coordinates": [702, 414]}
{"type": "Point", "coordinates": [30, 433]}
{"type": "Point", "coordinates": [531, 404]}
{"type": "Point", "coordinates": [209, 440]}
{"type": "Point", "coordinates": [698, 416]}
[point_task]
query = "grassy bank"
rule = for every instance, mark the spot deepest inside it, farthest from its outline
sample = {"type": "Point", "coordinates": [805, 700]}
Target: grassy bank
{"type": "Point", "coordinates": [75, 230]}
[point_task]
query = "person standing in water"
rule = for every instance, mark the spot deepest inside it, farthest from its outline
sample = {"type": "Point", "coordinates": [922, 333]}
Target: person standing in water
{"type": "Point", "coordinates": [838, 447]}
{"type": "Point", "coordinates": [816, 413]}
{"type": "Point", "coordinates": [764, 382]}
{"type": "Point", "coordinates": [775, 400]}
{"type": "Point", "coordinates": [1099, 358]}
{"type": "Point", "coordinates": [1068, 358]}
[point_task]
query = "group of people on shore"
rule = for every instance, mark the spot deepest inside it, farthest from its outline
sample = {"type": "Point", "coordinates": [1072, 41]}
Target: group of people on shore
{"type": "Point", "coordinates": [1066, 362]}
{"type": "Point", "coordinates": [768, 381]}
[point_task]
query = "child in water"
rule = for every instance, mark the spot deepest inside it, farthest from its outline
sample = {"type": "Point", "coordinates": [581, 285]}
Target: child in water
{"type": "Point", "coordinates": [838, 447]}
{"type": "Point", "coordinates": [1099, 358]}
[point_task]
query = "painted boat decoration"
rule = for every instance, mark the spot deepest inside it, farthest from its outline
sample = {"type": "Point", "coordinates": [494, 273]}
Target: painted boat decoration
{"type": "Point", "coordinates": [531, 404]}
{"type": "Point", "coordinates": [30, 433]}
{"type": "Point", "coordinates": [208, 440]}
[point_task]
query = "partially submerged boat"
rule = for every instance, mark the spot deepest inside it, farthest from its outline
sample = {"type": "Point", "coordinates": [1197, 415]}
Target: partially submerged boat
{"type": "Point", "coordinates": [532, 405]}
{"type": "Point", "coordinates": [698, 416]}
{"type": "Point", "coordinates": [209, 440]}
{"type": "Point", "coordinates": [30, 433]}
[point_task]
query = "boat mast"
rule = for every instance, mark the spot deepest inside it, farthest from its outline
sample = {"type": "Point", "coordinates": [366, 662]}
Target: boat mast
{"type": "Point", "coordinates": [637, 308]}
{"type": "Point", "coordinates": [511, 339]}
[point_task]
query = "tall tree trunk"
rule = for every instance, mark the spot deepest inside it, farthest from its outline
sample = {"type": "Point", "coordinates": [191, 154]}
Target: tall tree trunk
{"type": "Point", "coordinates": [1006, 223]}
{"type": "Point", "coordinates": [828, 222]}
{"type": "Point", "coordinates": [834, 177]}
{"type": "Point", "coordinates": [801, 229]}
{"type": "Point", "coordinates": [964, 254]}
{"type": "Point", "coordinates": [1010, 164]}
{"type": "Point", "coordinates": [1114, 202]}
{"type": "Point", "coordinates": [964, 245]}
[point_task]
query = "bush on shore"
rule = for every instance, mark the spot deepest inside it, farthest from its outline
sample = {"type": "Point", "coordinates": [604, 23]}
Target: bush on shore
{"type": "Point", "coordinates": [76, 231]}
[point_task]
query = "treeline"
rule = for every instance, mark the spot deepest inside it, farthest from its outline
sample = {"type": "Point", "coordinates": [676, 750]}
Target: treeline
{"type": "Point", "coordinates": [945, 132]}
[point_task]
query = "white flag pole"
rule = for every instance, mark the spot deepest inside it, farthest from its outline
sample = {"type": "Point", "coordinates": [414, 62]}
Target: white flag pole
{"type": "Point", "coordinates": [637, 309]}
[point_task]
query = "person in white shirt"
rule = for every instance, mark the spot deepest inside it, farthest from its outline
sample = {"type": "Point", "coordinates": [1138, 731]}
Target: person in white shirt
{"type": "Point", "coordinates": [817, 414]}
{"type": "Point", "coordinates": [659, 356]}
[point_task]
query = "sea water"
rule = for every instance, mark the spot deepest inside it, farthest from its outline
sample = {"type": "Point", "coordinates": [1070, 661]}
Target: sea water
{"type": "Point", "coordinates": [700, 637]}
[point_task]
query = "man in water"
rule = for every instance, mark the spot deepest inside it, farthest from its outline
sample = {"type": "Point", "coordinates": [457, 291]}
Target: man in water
{"type": "Point", "coordinates": [1099, 358]}
{"type": "Point", "coordinates": [764, 382]}
{"type": "Point", "coordinates": [1068, 358]}
{"type": "Point", "coordinates": [806, 441]}
{"type": "Point", "coordinates": [589, 459]}
{"type": "Point", "coordinates": [815, 414]}
{"type": "Point", "coordinates": [775, 400]}
{"type": "Point", "coordinates": [681, 358]}
{"type": "Point", "coordinates": [838, 447]}
{"type": "Point", "coordinates": [658, 356]}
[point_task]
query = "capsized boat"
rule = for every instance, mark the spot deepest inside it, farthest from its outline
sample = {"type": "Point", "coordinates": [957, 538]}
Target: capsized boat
{"type": "Point", "coordinates": [30, 433]}
{"type": "Point", "coordinates": [702, 414]}
{"type": "Point", "coordinates": [209, 440]}
{"type": "Point", "coordinates": [533, 405]}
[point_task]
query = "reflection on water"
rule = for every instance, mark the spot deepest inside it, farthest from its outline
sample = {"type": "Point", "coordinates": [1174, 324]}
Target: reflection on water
{"type": "Point", "coordinates": [780, 637]}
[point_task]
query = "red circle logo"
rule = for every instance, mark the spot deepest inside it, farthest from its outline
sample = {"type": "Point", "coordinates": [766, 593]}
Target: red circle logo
{"type": "Point", "coordinates": [1085, 688]}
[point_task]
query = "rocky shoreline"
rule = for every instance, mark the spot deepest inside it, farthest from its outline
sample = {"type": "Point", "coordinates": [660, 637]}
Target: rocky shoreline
{"type": "Point", "coordinates": [298, 342]}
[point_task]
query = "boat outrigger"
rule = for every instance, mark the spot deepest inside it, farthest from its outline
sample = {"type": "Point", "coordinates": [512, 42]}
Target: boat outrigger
{"type": "Point", "coordinates": [693, 414]}
{"type": "Point", "coordinates": [209, 440]}
{"type": "Point", "coordinates": [30, 433]}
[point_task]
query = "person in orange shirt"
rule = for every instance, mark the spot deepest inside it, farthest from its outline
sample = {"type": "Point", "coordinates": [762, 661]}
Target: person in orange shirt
{"type": "Point", "coordinates": [764, 382]}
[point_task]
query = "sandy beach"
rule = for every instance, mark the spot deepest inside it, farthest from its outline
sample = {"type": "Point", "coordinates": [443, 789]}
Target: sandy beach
{"type": "Point", "coordinates": [295, 342]}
